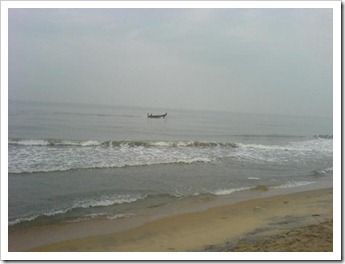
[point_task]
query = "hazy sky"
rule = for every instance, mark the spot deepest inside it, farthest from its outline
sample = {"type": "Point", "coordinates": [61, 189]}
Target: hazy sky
{"type": "Point", "coordinates": [242, 60]}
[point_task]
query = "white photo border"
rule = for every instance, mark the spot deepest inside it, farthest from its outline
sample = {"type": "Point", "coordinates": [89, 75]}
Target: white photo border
{"type": "Point", "coordinates": [335, 255]}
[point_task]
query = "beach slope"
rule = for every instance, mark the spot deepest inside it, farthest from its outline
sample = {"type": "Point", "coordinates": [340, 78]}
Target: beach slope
{"type": "Point", "coordinates": [244, 226]}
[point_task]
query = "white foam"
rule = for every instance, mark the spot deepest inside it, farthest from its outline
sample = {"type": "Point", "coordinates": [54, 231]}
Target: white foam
{"type": "Point", "coordinates": [108, 154]}
{"type": "Point", "coordinates": [292, 184]}
{"type": "Point", "coordinates": [90, 143]}
{"type": "Point", "coordinates": [100, 215]}
{"type": "Point", "coordinates": [253, 178]}
{"type": "Point", "coordinates": [162, 144]}
{"type": "Point", "coordinates": [194, 160]}
{"type": "Point", "coordinates": [230, 191]}
{"type": "Point", "coordinates": [108, 201]}
{"type": "Point", "coordinates": [119, 216]}
{"type": "Point", "coordinates": [62, 211]}
{"type": "Point", "coordinates": [34, 217]}
{"type": "Point", "coordinates": [101, 202]}
{"type": "Point", "coordinates": [268, 147]}
{"type": "Point", "coordinates": [325, 171]}
{"type": "Point", "coordinates": [22, 219]}
{"type": "Point", "coordinates": [28, 142]}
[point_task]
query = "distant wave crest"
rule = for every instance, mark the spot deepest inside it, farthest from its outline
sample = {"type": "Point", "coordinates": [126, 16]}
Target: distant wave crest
{"type": "Point", "coordinates": [110, 143]}
{"type": "Point", "coordinates": [326, 136]}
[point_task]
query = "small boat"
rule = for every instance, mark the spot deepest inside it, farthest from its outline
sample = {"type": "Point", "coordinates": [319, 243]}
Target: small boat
{"type": "Point", "coordinates": [156, 116]}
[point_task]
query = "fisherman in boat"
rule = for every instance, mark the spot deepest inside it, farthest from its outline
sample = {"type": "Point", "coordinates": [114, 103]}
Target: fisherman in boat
{"type": "Point", "coordinates": [156, 116]}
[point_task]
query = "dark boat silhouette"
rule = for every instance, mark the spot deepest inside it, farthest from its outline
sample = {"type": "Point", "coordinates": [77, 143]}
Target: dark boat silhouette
{"type": "Point", "coordinates": [156, 116]}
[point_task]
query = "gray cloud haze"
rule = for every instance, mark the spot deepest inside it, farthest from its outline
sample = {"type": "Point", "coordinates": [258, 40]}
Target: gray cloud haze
{"type": "Point", "coordinates": [243, 60]}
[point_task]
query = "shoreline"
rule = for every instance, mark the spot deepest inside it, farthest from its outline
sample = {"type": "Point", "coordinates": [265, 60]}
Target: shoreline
{"type": "Point", "coordinates": [225, 221]}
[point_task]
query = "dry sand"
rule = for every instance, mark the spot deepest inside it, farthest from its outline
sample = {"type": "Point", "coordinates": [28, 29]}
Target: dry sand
{"type": "Point", "coordinates": [290, 222]}
{"type": "Point", "coordinates": [311, 238]}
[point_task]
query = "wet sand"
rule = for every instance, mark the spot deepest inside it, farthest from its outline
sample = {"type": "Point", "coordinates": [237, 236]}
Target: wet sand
{"type": "Point", "coordinates": [265, 224]}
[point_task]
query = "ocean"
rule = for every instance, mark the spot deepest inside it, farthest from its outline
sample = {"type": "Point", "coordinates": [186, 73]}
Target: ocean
{"type": "Point", "coordinates": [75, 162]}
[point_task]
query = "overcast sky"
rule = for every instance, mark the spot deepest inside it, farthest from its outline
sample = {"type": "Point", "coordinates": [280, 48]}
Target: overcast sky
{"type": "Point", "coordinates": [241, 60]}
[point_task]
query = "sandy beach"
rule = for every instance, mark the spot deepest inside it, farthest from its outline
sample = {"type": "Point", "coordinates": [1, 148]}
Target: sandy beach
{"type": "Point", "coordinates": [299, 221]}
{"type": "Point", "coordinates": [312, 238]}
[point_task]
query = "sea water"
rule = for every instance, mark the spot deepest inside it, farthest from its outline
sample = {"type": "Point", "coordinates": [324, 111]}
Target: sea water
{"type": "Point", "coordinates": [74, 162]}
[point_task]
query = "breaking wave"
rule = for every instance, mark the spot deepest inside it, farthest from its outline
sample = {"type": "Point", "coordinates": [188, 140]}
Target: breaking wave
{"type": "Point", "coordinates": [287, 185]}
{"type": "Point", "coordinates": [79, 210]}
{"type": "Point", "coordinates": [326, 136]}
{"type": "Point", "coordinates": [323, 172]}
{"type": "Point", "coordinates": [48, 155]}
{"type": "Point", "coordinates": [103, 201]}
{"type": "Point", "coordinates": [109, 143]}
